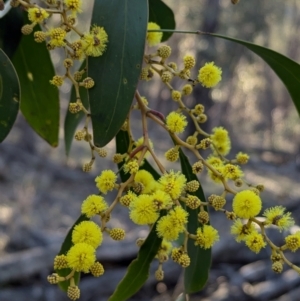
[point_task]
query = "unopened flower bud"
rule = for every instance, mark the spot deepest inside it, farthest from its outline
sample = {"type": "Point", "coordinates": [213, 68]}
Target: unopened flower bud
{"type": "Point", "coordinates": [27, 29]}
{"type": "Point", "coordinates": [73, 292]}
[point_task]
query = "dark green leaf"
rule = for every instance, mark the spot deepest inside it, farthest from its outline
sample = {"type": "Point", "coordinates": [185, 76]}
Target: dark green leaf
{"type": "Point", "coordinates": [286, 69]}
{"type": "Point", "coordinates": [9, 95]}
{"type": "Point", "coordinates": [138, 270]}
{"type": "Point", "coordinates": [39, 100]}
{"type": "Point", "coordinates": [116, 73]}
{"type": "Point", "coordinates": [10, 31]}
{"type": "Point", "coordinates": [122, 144]}
{"type": "Point", "coordinates": [72, 120]}
{"type": "Point", "coordinates": [162, 15]}
{"type": "Point", "coordinates": [196, 274]}
{"type": "Point", "coordinates": [67, 244]}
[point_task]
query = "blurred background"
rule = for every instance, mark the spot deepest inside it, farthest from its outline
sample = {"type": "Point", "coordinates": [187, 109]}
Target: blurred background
{"type": "Point", "coordinates": [42, 189]}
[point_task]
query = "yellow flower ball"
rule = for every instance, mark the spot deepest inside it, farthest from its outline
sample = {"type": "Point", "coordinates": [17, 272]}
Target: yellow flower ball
{"type": "Point", "coordinates": [95, 42]}
{"type": "Point", "coordinates": [255, 242]}
{"type": "Point", "coordinates": [176, 122]}
{"type": "Point", "coordinates": [221, 140]}
{"type": "Point", "coordinates": [173, 183]}
{"type": "Point", "coordinates": [87, 232]}
{"type": "Point", "coordinates": [93, 204]}
{"type": "Point", "coordinates": [142, 210]}
{"type": "Point", "coordinates": [81, 257]}
{"type": "Point", "coordinates": [277, 216]}
{"type": "Point", "coordinates": [206, 237]}
{"type": "Point", "coordinates": [153, 38]}
{"type": "Point", "coordinates": [37, 15]}
{"type": "Point", "coordinates": [293, 241]}
{"type": "Point", "coordinates": [144, 177]}
{"type": "Point", "coordinates": [106, 181]}
{"type": "Point", "coordinates": [240, 231]}
{"type": "Point", "coordinates": [166, 229]}
{"type": "Point", "coordinates": [246, 204]}
{"type": "Point", "coordinates": [209, 75]}
{"type": "Point", "coordinates": [74, 5]}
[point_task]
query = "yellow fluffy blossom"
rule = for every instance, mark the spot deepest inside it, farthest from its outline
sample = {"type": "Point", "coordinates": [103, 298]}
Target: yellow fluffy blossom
{"type": "Point", "coordinates": [57, 37]}
{"type": "Point", "coordinates": [131, 167]}
{"type": "Point", "coordinates": [37, 15]}
{"type": "Point", "coordinates": [292, 241]}
{"type": "Point", "coordinates": [172, 154]}
{"type": "Point", "coordinates": [231, 171]}
{"type": "Point", "coordinates": [81, 257]}
{"type": "Point", "coordinates": [221, 140]}
{"type": "Point", "coordinates": [106, 181]}
{"type": "Point", "coordinates": [166, 229]}
{"type": "Point", "coordinates": [276, 216]}
{"type": "Point", "coordinates": [176, 122]}
{"type": "Point", "coordinates": [142, 210]}
{"type": "Point", "coordinates": [146, 179]}
{"type": "Point", "coordinates": [214, 161]}
{"type": "Point", "coordinates": [255, 242]}
{"type": "Point", "coordinates": [173, 183]}
{"type": "Point", "coordinates": [153, 38]}
{"type": "Point", "coordinates": [179, 216]}
{"type": "Point", "coordinates": [94, 43]}
{"type": "Point", "coordinates": [161, 200]}
{"type": "Point", "coordinates": [216, 178]}
{"type": "Point", "coordinates": [93, 204]}
{"type": "Point", "coordinates": [206, 237]}
{"type": "Point", "coordinates": [74, 5]}
{"type": "Point", "coordinates": [209, 75]}
{"type": "Point", "coordinates": [242, 158]}
{"type": "Point", "coordinates": [87, 232]}
{"type": "Point", "coordinates": [246, 204]}
{"type": "Point", "coordinates": [240, 231]}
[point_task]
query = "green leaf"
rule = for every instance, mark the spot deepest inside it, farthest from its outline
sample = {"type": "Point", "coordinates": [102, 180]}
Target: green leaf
{"type": "Point", "coordinates": [39, 100]}
{"type": "Point", "coordinates": [10, 31]}
{"type": "Point", "coordinates": [138, 270]}
{"type": "Point", "coordinates": [122, 144]}
{"type": "Point", "coordinates": [72, 120]}
{"type": "Point", "coordinates": [162, 15]}
{"type": "Point", "coordinates": [9, 95]}
{"type": "Point", "coordinates": [116, 73]}
{"type": "Point", "coordinates": [67, 244]}
{"type": "Point", "coordinates": [286, 69]}
{"type": "Point", "coordinates": [196, 274]}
